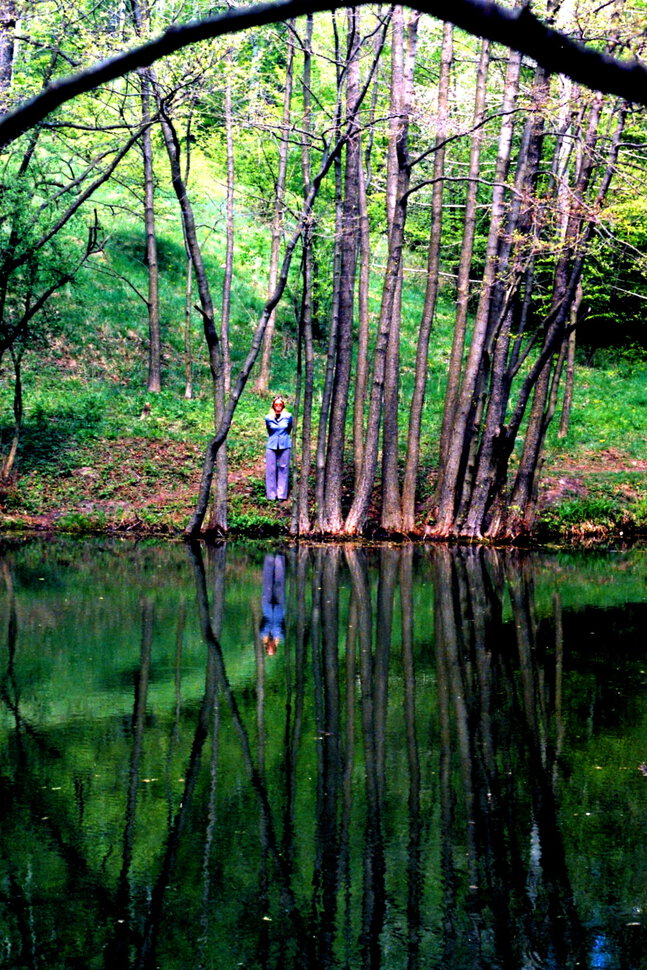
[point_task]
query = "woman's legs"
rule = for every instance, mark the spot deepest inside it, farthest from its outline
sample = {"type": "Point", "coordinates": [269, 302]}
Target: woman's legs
{"type": "Point", "coordinates": [277, 473]}
{"type": "Point", "coordinates": [282, 473]}
{"type": "Point", "coordinates": [270, 473]}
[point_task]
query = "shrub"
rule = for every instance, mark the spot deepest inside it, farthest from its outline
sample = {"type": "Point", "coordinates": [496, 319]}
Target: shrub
{"type": "Point", "coordinates": [254, 524]}
{"type": "Point", "coordinates": [82, 522]}
{"type": "Point", "coordinates": [579, 510]}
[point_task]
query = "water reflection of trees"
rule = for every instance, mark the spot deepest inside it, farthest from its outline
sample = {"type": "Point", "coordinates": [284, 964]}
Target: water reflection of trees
{"type": "Point", "coordinates": [500, 710]}
{"type": "Point", "coordinates": [498, 721]}
{"type": "Point", "coordinates": [405, 802]}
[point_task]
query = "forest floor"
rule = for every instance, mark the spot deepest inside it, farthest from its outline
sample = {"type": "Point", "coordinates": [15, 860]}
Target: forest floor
{"type": "Point", "coordinates": [147, 486]}
{"type": "Point", "coordinates": [98, 456]}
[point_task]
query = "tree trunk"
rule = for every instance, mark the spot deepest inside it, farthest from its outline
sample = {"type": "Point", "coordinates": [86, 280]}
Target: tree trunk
{"type": "Point", "coordinates": [330, 153]}
{"type": "Point", "coordinates": [8, 463]}
{"type": "Point", "coordinates": [450, 494]}
{"type": "Point", "coordinates": [433, 279]}
{"type": "Point", "coordinates": [484, 503]}
{"type": "Point", "coordinates": [575, 217]}
{"type": "Point", "coordinates": [361, 369]}
{"type": "Point", "coordinates": [7, 42]}
{"type": "Point", "coordinates": [362, 365]}
{"type": "Point", "coordinates": [188, 353]}
{"type": "Point", "coordinates": [229, 217]}
{"type": "Point", "coordinates": [465, 265]}
{"type": "Point", "coordinates": [301, 518]}
{"type": "Point", "coordinates": [188, 297]}
{"type": "Point", "coordinates": [154, 381]}
{"type": "Point", "coordinates": [140, 15]}
{"type": "Point", "coordinates": [547, 370]}
{"type": "Point", "coordinates": [195, 523]}
{"type": "Point", "coordinates": [359, 509]}
{"type": "Point", "coordinates": [566, 279]}
{"type": "Point", "coordinates": [263, 380]}
{"type": "Point", "coordinates": [326, 394]}
{"type": "Point", "coordinates": [570, 368]}
{"type": "Point", "coordinates": [219, 516]}
{"type": "Point", "coordinates": [300, 524]}
{"type": "Point", "coordinates": [491, 451]}
{"type": "Point", "coordinates": [398, 131]}
{"type": "Point", "coordinates": [332, 520]}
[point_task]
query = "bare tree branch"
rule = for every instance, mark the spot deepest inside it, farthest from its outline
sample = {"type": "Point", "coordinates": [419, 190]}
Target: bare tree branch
{"type": "Point", "coordinates": [10, 264]}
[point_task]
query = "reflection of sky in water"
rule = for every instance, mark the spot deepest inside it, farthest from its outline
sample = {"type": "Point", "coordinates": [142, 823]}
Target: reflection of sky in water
{"type": "Point", "coordinates": [401, 784]}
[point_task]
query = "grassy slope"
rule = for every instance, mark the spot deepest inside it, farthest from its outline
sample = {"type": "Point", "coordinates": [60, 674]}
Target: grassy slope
{"type": "Point", "coordinates": [88, 460]}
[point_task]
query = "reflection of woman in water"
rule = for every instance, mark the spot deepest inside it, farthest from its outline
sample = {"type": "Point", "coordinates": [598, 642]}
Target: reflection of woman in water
{"type": "Point", "coordinates": [272, 628]}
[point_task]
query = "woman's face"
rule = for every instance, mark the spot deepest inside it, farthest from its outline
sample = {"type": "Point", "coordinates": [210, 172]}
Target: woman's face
{"type": "Point", "coordinates": [278, 406]}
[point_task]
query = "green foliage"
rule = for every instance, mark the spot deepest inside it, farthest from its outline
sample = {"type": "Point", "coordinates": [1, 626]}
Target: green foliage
{"type": "Point", "coordinates": [640, 514]}
{"type": "Point", "coordinates": [577, 511]}
{"type": "Point", "coordinates": [254, 524]}
{"type": "Point", "coordinates": [82, 523]}
{"type": "Point", "coordinates": [257, 487]}
{"type": "Point", "coordinates": [614, 503]}
{"type": "Point", "coordinates": [615, 275]}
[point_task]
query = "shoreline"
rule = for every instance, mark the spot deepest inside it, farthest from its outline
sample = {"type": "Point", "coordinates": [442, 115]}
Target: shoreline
{"type": "Point", "coordinates": [19, 527]}
{"type": "Point", "coordinates": [143, 488]}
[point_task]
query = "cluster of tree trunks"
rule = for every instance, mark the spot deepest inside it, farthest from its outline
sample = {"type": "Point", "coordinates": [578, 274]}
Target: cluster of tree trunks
{"type": "Point", "coordinates": [506, 366]}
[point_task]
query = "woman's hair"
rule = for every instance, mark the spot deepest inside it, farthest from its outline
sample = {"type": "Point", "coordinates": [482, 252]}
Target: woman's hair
{"type": "Point", "coordinates": [278, 398]}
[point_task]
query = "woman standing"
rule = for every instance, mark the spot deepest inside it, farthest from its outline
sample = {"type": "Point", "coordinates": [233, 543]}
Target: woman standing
{"type": "Point", "coordinates": [277, 450]}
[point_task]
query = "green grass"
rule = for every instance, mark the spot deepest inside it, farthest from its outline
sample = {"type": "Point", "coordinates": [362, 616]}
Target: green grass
{"type": "Point", "coordinates": [82, 523]}
{"type": "Point", "coordinates": [613, 503]}
{"type": "Point", "coordinates": [609, 409]}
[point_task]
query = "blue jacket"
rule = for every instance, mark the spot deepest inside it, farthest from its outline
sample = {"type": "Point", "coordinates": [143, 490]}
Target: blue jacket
{"type": "Point", "coordinates": [278, 430]}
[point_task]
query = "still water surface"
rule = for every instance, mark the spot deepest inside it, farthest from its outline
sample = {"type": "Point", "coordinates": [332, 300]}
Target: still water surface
{"type": "Point", "coordinates": [267, 757]}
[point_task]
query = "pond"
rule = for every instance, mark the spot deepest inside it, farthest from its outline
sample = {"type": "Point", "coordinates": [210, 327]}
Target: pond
{"type": "Point", "coordinates": [267, 756]}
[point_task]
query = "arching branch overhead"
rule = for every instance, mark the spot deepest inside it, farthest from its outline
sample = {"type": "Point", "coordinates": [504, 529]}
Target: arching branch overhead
{"type": "Point", "coordinates": [518, 29]}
